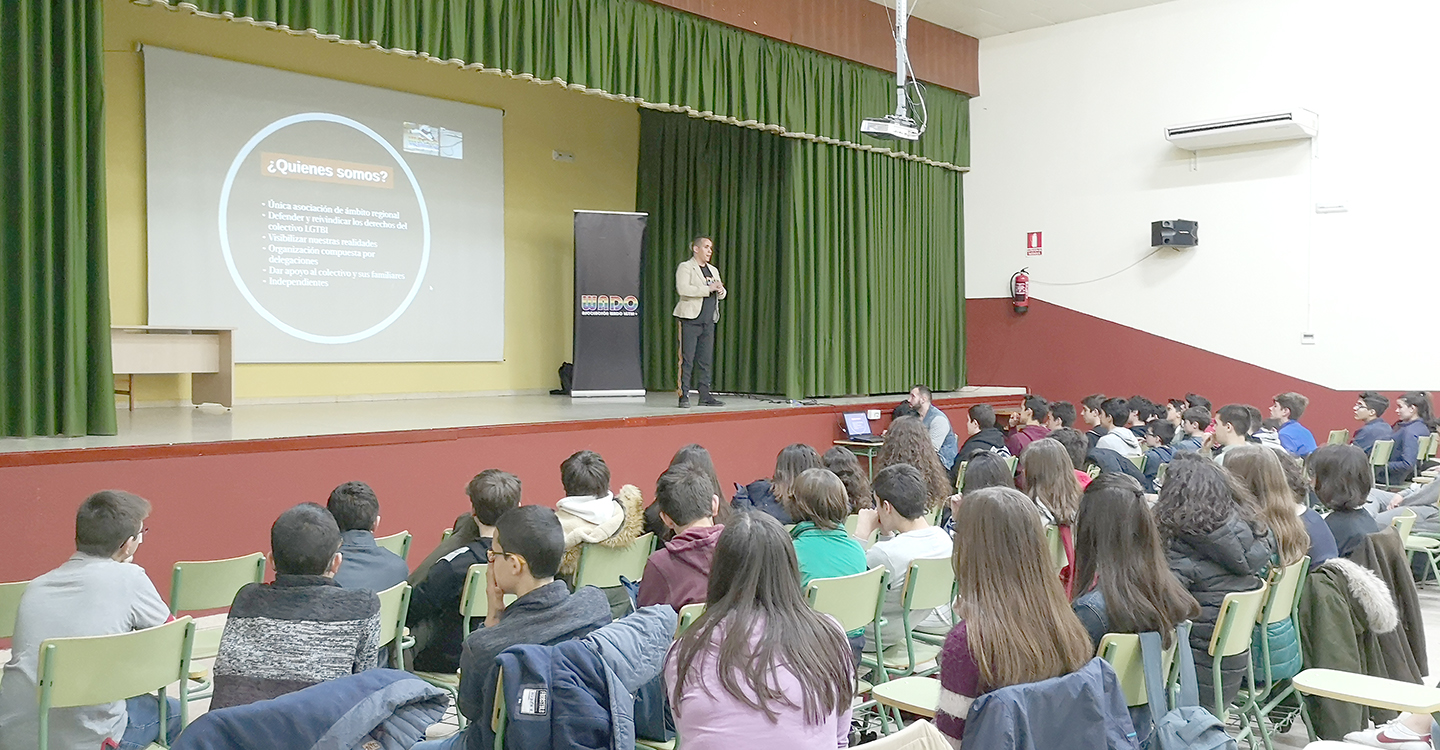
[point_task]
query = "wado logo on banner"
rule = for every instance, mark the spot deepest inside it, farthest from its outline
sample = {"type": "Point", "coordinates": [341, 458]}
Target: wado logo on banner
{"type": "Point", "coordinates": [609, 304]}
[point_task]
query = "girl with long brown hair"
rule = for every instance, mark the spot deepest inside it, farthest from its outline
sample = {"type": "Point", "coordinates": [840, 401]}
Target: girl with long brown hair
{"type": "Point", "coordinates": [907, 442]}
{"type": "Point", "coordinates": [770, 495]}
{"type": "Point", "coordinates": [759, 662]}
{"type": "Point", "coordinates": [1016, 625]}
{"type": "Point", "coordinates": [1260, 472]}
{"type": "Point", "coordinates": [1049, 480]}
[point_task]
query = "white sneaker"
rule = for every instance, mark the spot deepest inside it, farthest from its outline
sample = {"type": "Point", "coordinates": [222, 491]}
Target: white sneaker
{"type": "Point", "coordinates": [1394, 736]}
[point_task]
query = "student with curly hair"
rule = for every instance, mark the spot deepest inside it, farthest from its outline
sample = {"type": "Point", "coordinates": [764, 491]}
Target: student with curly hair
{"type": "Point", "coordinates": [845, 465]}
{"type": "Point", "coordinates": [907, 443]}
{"type": "Point", "coordinates": [1215, 545]}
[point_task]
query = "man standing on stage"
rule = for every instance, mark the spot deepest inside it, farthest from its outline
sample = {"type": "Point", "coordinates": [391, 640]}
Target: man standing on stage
{"type": "Point", "coordinates": [700, 289]}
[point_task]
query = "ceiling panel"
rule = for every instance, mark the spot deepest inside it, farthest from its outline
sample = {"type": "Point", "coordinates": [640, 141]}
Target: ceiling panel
{"type": "Point", "coordinates": [982, 18]}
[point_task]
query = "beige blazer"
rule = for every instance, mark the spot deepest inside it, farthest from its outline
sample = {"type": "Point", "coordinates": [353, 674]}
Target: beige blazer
{"type": "Point", "coordinates": [690, 285]}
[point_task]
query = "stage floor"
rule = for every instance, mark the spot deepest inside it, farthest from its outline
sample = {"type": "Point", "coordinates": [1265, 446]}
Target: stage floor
{"type": "Point", "coordinates": [172, 425]}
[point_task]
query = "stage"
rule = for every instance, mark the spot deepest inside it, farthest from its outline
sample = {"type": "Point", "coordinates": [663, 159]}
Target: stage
{"type": "Point", "coordinates": [217, 478]}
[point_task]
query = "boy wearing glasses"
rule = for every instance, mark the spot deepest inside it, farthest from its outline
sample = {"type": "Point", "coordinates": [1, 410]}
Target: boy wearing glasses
{"type": "Point", "coordinates": [524, 558]}
{"type": "Point", "coordinates": [98, 591]}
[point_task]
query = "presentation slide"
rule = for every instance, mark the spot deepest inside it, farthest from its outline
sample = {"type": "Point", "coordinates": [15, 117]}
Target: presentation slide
{"type": "Point", "coordinates": [323, 221]}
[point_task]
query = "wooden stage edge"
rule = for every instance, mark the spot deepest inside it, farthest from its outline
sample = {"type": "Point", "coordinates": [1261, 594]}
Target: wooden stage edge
{"type": "Point", "coordinates": [46, 457]}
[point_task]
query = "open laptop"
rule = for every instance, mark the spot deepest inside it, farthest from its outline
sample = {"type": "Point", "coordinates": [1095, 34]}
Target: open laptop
{"type": "Point", "coordinates": [857, 428]}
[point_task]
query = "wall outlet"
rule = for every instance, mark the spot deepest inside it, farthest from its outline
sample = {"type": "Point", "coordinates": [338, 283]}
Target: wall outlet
{"type": "Point", "coordinates": [872, 414]}
{"type": "Point", "coordinates": [562, 156]}
{"type": "Point", "coordinates": [1307, 339]}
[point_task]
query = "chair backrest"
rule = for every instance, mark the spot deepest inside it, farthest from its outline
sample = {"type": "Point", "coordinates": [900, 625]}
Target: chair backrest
{"type": "Point", "coordinates": [1056, 545]}
{"type": "Point", "coordinates": [1434, 445]}
{"type": "Point", "coordinates": [1234, 624]}
{"type": "Point", "coordinates": [853, 600]}
{"type": "Point", "coordinates": [473, 601]}
{"type": "Point", "coordinates": [394, 606]}
{"type": "Point", "coordinates": [602, 566]}
{"type": "Point", "coordinates": [960, 476]}
{"type": "Point", "coordinates": [929, 584]}
{"type": "Point", "coordinates": [1285, 587]}
{"type": "Point", "coordinates": [399, 543]}
{"type": "Point", "coordinates": [1338, 437]}
{"type": "Point", "coordinates": [1014, 462]}
{"type": "Point", "coordinates": [1160, 474]}
{"type": "Point", "coordinates": [88, 670]}
{"type": "Point", "coordinates": [688, 615]}
{"type": "Point", "coordinates": [211, 584]}
{"type": "Point", "coordinates": [1422, 449]}
{"type": "Point", "coordinates": [10, 606]}
{"type": "Point", "coordinates": [1139, 462]}
{"type": "Point", "coordinates": [1404, 523]}
{"type": "Point", "coordinates": [1122, 652]}
{"type": "Point", "coordinates": [1380, 452]}
{"type": "Point", "coordinates": [446, 534]}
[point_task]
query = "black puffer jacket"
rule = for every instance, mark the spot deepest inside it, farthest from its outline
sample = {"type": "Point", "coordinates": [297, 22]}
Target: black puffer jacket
{"type": "Point", "coordinates": [1230, 558]}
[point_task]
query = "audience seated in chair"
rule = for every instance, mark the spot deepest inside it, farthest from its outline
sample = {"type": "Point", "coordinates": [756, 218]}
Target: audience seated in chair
{"type": "Point", "coordinates": [678, 573]}
{"type": "Point", "coordinates": [98, 591]}
{"type": "Point", "coordinates": [844, 464]}
{"type": "Point", "coordinates": [1050, 482]}
{"type": "Point", "coordinates": [759, 668]}
{"type": "Point", "coordinates": [1194, 421]}
{"type": "Point", "coordinates": [434, 616]}
{"type": "Point", "coordinates": [1090, 416]}
{"type": "Point", "coordinates": [302, 629]}
{"type": "Point", "coordinates": [1343, 480]}
{"type": "Point", "coordinates": [524, 558]}
{"type": "Point", "coordinates": [769, 495]}
{"type": "Point", "coordinates": [1077, 447]}
{"type": "Point", "coordinates": [695, 455]}
{"type": "Point", "coordinates": [905, 443]}
{"type": "Point", "coordinates": [1232, 425]}
{"type": "Point", "coordinates": [590, 513]}
{"type": "Point", "coordinates": [1011, 606]}
{"type": "Point", "coordinates": [367, 565]}
{"type": "Point", "coordinates": [1114, 413]}
{"type": "Point", "coordinates": [1216, 544]}
{"type": "Point", "coordinates": [1295, 438]}
{"type": "Point", "coordinates": [823, 548]}
{"type": "Point", "coordinates": [1026, 425]}
{"type": "Point", "coordinates": [1061, 416]}
{"type": "Point", "coordinates": [906, 536]}
{"type": "Point", "coordinates": [1159, 448]}
{"type": "Point", "coordinates": [1369, 411]}
{"type": "Point", "coordinates": [984, 436]}
{"type": "Point", "coordinates": [1417, 420]}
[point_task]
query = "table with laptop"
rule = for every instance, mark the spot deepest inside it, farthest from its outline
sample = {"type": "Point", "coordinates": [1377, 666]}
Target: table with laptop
{"type": "Point", "coordinates": [860, 440]}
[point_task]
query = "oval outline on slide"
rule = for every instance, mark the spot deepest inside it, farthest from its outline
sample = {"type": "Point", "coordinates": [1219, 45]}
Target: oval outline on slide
{"type": "Point", "coordinates": [244, 153]}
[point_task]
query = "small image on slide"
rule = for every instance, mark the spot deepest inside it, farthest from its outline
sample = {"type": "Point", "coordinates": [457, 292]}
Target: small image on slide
{"type": "Point", "coordinates": [422, 139]}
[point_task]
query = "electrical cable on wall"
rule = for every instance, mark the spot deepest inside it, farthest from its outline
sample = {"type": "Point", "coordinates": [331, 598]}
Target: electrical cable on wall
{"type": "Point", "coordinates": [1144, 258]}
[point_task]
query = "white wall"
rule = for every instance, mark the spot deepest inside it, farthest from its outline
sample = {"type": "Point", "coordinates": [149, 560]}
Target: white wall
{"type": "Point", "coordinates": [1068, 140]}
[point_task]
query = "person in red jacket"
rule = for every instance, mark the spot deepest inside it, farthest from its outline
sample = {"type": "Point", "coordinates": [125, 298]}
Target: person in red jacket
{"type": "Point", "coordinates": [679, 574]}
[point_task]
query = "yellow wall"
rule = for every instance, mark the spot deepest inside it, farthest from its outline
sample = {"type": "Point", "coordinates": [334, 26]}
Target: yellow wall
{"type": "Point", "coordinates": [540, 195]}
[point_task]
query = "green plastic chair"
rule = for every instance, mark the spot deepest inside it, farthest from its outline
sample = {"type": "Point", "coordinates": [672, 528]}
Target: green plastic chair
{"type": "Point", "coordinates": [1338, 437]}
{"type": "Point", "coordinates": [1122, 652]}
{"type": "Point", "coordinates": [1014, 462]}
{"type": "Point", "coordinates": [1056, 547]}
{"type": "Point", "coordinates": [10, 605]}
{"type": "Point", "coordinates": [1139, 462]}
{"type": "Point", "coordinates": [394, 607]}
{"type": "Point", "coordinates": [199, 585]}
{"type": "Point", "coordinates": [856, 602]}
{"type": "Point", "coordinates": [602, 566]}
{"type": "Point", "coordinates": [446, 534]}
{"type": "Point", "coordinates": [688, 615]}
{"type": "Point", "coordinates": [399, 543]}
{"type": "Point", "coordinates": [95, 669]}
{"type": "Point", "coordinates": [1404, 523]}
{"type": "Point", "coordinates": [1422, 448]}
{"type": "Point", "coordinates": [1283, 602]}
{"type": "Point", "coordinates": [474, 604]}
{"type": "Point", "coordinates": [1380, 457]}
{"type": "Point", "coordinates": [1160, 475]}
{"type": "Point", "coordinates": [929, 585]}
{"type": "Point", "coordinates": [1235, 624]}
{"type": "Point", "coordinates": [852, 522]}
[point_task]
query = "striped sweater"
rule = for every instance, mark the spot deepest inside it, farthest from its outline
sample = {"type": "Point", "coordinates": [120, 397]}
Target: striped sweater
{"type": "Point", "coordinates": [959, 685]}
{"type": "Point", "coordinates": [296, 632]}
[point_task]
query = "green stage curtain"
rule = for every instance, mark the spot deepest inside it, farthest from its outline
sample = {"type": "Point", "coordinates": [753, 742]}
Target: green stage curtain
{"type": "Point", "coordinates": [731, 182]}
{"type": "Point", "coordinates": [654, 56]}
{"type": "Point", "coordinates": [854, 261]}
{"type": "Point", "coordinates": [55, 375]}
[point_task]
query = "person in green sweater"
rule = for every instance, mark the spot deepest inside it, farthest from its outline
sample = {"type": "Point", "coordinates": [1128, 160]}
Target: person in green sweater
{"type": "Point", "coordinates": [819, 504]}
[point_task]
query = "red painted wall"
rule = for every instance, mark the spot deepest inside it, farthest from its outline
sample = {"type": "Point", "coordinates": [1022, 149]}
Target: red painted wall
{"type": "Point", "coordinates": [218, 500]}
{"type": "Point", "coordinates": [1067, 355]}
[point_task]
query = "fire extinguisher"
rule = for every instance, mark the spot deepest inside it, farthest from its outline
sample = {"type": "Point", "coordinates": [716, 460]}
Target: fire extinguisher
{"type": "Point", "coordinates": [1020, 291]}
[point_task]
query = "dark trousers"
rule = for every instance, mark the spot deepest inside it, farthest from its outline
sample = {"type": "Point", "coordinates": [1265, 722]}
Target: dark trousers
{"type": "Point", "coordinates": [697, 355]}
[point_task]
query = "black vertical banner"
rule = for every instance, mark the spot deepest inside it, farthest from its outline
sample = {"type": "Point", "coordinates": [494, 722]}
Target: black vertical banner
{"type": "Point", "coordinates": [608, 248]}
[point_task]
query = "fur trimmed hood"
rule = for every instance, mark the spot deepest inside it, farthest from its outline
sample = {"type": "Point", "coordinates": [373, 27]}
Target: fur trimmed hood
{"type": "Point", "coordinates": [1371, 595]}
{"type": "Point", "coordinates": [621, 530]}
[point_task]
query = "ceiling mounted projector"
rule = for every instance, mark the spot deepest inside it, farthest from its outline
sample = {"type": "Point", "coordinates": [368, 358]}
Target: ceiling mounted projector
{"type": "Point", "coordinates": [891, 128]}
{"type": "Point", "coordinates": [899, 126]}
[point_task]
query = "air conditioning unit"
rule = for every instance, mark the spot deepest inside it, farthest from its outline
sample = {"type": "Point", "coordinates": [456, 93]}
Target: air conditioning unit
{"type": "Point", "coordinates": [1283, 125]}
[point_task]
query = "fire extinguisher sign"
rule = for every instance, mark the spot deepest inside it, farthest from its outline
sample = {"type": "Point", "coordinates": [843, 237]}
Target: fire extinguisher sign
{"type": "Point", "coordinates": [1033, 244]}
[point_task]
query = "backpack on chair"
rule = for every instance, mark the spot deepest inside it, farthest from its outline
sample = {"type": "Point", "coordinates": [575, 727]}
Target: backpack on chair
{"type": "Point", "coordinates": [1187, 726]}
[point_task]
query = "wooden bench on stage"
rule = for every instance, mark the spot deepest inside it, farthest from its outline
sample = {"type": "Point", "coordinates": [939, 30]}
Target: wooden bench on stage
{"type": "Point", "coordinates": [204, 353]}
